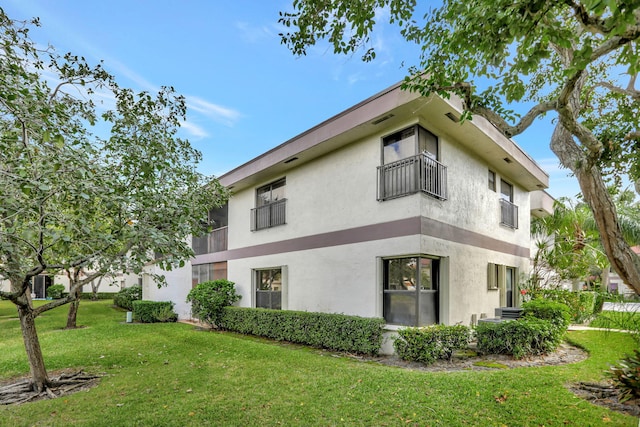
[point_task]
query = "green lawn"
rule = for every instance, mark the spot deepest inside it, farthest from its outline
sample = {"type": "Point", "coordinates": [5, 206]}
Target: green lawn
{"type": "Point", "coordinates": [174, 375]}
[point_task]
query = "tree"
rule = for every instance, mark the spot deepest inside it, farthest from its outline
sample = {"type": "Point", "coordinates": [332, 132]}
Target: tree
{"type": "Point", "coordinates": [73, 200]}
{"type": "Point", "coordinates": [568, 242]}
{"type": "Point", "coordinates": [564, 57]}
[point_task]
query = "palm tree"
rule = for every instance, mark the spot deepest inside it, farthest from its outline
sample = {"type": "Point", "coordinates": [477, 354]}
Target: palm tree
{"type": "Point", "coordinates": [568, 246]}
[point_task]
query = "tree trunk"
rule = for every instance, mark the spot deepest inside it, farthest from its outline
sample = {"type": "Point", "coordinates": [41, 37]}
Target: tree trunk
{"type": "Point", "coordinates": [623, 260]}
{"type": "Point", "coordinates": [73, 311]}
{"type": "Point", "coordinates": [39, 376]}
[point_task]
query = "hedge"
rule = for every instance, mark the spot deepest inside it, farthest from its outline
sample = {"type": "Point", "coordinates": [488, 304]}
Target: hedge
{"type": "Point", "coordinates": [583, 304]}
{"type": "Point", "coordinates": [91, 296]}
{"type": "Point", "coordinates": [539, 331]}
{"type": "Point", "coordinates": [430, 343]}
{"type": "Point", "coordinates": [337, 332]}
{"type": "Point", "coordinates": [127, 296]}
{"type": "Point", "coordinates": [153, 311]}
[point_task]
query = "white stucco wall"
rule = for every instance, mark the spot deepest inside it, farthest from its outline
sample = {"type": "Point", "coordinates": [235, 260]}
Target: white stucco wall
{"type": "Point", "coordinates": [178, 286]}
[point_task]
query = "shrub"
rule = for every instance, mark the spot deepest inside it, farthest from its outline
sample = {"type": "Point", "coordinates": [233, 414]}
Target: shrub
{"type": "Point", "coordinates": [127, 296]}
{"type": "Point", "coordinates": [582, 305]}
{"type": "Point", "coordinates": [153, 311]}
{"type": "Point", "coordinates": [558, 313]}
{"type": "Point", "coordinates": [523, 337]}
{"type": "Point", "coordinates": [337, 332]}
{"type": "Point", "coordinates": [209, 298]}
{"type": "Point", "coordinates": [55, 291]}
{"type": "Point", "coordinates": [626, 376]}
{"type": "Point", "coordinates": [430, 343]}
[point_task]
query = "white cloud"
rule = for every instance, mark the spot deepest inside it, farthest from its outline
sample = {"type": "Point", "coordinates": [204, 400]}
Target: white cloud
{"type": "Point", "coordinates": [224, 115]}
{"type": "Point", "coordinates": [193, 129]}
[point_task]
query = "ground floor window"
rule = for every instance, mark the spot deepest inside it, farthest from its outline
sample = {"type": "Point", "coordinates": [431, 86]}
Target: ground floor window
{"type": "Point", "coordinates": [206, 272]}
{"type": "Point", "coordinates": [503, 278]}
{"type": "Point", "coordinates": [410, 290]}
{"type": "Point", "coordinates": [40, 284]}
{"type": "Point", "coordinates": [269, 288]}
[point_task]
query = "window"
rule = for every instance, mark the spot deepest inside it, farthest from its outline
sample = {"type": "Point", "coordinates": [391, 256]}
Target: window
{"type": "Point", "coordinates": [503, 278]}
{"type": "Point", "coordinates": [269, 288]}
{"type": "Point", "coordinates": [404, 144]}
{"type": "Point", "coordinates": [492, 180]}
{"type": "Point", "coordinates": [508, 210]}
{"type": "Point", "coordinates": [206, 272]}
{"type": "Point", "coordinates": [506, 191]}
{"type": "Point", "coordinates": [410, 164]}
{"type": "Point", "coordinates": [410, 290]}
{"type": "Point", "coordinates": [270, 206]}
{"type": "Point", "coordinates": [216, 239]}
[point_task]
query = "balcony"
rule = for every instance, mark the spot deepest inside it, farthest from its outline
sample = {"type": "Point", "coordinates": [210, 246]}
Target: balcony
{"type": "Point", "coordinates": [269, 215]}
{"type": "Point", "coordinates": [216, 241]}
{"type": "Point", "coordinates": [508, 214]}
{"type": "Point", "coordinates": [419, 173]}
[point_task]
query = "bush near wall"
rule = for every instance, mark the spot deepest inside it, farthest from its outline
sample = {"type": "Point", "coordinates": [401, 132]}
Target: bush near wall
{"type": "Point", "coordinates": [583, 304]}
{"type": "Point", "coordinates": [539, 331]}
{"type": "Point", "coordinates": [431, 343]}
{"type": "Point", "coordinates": [337, 332]}
{"type": "Point", "coordinates": [126, 296]}
{"type": "Point", "coordinates": [55, 291]}
{"type": "Point", "coordinates": [153, 311]}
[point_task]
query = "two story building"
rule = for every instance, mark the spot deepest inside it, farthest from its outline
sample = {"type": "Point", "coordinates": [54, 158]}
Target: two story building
{"type": "Point", "coordinates": [392, 208]}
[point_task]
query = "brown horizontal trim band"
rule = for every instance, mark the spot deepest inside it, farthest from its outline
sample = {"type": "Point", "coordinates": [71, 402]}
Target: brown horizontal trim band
{"type": "Point", "coordinates": [367, 233]}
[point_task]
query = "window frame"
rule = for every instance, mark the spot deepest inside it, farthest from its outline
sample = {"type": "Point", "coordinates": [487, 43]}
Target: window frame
{"type": "Point", "coordinates": [257, 280]}
{"type": "Point", "coordinates": [423, 296]}
{"type": "Point", "coordinates": [491, 180]}
{"type": "Point", "coordinates": [418, 133]}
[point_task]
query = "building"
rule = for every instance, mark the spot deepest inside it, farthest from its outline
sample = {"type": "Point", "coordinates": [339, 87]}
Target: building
{"type": "Point", "coordinates": [615, 285]}
{"type": "Point", "coordinates": [392, 208]}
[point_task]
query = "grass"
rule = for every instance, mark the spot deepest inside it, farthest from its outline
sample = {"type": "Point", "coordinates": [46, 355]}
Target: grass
{"type": "Point", "coordinates": [174, 375]}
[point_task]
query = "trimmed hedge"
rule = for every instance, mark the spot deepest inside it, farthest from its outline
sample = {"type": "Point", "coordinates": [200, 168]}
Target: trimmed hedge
{"type": "Point", "coordinates": [90, 296]}
{"type": "Point", "coordinates": [153, 311]}
{"type": "Point", "coordinates": [337, 332]}
{"type": "Point", "coordinates": [558, 313]}
{"type": "Point", "coordinates": [127, 296]}
{"type": "Point", "coordinates": [539, 331]}
{"type": "Point", "coordinates": [520, 338]}
{"type": "Point", "coordinates": [430, 343]}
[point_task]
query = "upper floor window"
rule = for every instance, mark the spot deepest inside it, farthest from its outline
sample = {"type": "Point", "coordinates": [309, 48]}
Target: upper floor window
{"type": "Point", "coordinates": [410, 165]}
{"type": "Point", "coordinates": [270, 206]}
{"type": "Point", "coordinates": [492, 180]}
{"type": "Point", "coordinates": [216, 239]}
{"type": "Point", "coordinates": [408, 143]}
{"type": "Point", "coordinates": [508, 210]}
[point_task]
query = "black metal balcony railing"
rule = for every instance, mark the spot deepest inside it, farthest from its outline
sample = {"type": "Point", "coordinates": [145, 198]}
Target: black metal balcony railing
{"type": "Point", "coordinates": [216, 241]}
{"type": "Point", "coordinates": [411, 175]}
{"type": "Point", "coordinates": [508, 214]}
{"type": "Point", "coordinates": [269, 215]}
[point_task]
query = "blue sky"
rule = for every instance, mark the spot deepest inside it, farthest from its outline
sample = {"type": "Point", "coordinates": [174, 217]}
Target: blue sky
{"type": "Point", "coordinates": [246, 92]}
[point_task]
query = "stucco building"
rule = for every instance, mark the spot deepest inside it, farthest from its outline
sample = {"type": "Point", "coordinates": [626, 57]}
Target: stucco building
{"type": "Point", "coordinates": [392, 208]}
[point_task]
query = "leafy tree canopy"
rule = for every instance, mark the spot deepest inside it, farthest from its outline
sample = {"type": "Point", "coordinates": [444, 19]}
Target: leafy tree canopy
{"type": "Point", "coordinates": [575, 58]}
{"type": "Point", "coordinates": [73, 198]}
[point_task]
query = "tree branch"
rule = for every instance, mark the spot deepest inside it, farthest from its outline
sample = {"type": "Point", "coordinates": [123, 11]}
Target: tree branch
{"type": "Point", "coordinates": [519, 127]}
{"type": "Point", "coordinates": [629, 91]}
{"type": "Point", "coordinates": [591, 23]}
